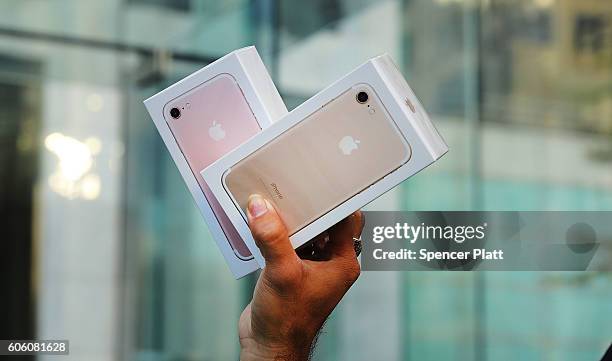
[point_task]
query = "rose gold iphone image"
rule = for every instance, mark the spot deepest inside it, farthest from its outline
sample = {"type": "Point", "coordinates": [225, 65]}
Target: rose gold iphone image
{"type": "Point", "coordinates": [338, 151]}
{"type": "Point", "coordinates": [208, 122]}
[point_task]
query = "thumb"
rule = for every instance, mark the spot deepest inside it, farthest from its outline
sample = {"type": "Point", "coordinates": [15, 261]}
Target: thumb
{"type": "Point", "coordinates": [269, 231]}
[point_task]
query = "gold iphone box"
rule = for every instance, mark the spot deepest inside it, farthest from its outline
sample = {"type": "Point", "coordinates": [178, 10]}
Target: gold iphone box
{"type": "Point", "coordinates": [332, 155]}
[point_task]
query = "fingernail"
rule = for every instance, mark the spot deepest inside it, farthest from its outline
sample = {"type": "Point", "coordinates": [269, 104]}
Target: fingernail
{"type": "Point", "coordinates": [257, 206]}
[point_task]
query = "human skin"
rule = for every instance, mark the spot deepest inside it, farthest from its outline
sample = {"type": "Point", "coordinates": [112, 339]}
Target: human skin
{"type": "Point", "coordinates": [295, 293]}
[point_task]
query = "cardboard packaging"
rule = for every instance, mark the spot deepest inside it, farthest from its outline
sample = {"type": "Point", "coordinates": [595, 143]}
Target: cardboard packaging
{"type": "Point", "coordinates": [245, 69]}
{"type": "Point", "coordinates": [379, 74]}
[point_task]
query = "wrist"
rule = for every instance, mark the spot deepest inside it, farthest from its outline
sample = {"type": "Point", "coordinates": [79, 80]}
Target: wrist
{"type": "Point", "coordinates": [251, 350]}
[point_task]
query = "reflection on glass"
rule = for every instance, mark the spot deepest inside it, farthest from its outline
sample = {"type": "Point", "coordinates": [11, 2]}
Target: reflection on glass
{"type": "Point", "coordinates": [71, 178]}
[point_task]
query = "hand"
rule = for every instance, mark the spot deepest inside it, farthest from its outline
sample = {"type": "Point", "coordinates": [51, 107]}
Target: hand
{"type": "Point", "coordinates": [294, 296]}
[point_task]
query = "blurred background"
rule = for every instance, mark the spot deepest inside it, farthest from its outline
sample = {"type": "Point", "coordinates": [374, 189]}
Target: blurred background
{"type": "Point", "coordinates": [103, 245]}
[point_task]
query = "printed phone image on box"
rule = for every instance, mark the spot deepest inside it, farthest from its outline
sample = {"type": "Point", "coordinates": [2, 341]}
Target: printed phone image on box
{"type": "Point", "coordinates": [205, 116]}
{"type": "Point", "coordinates": [332, 155]}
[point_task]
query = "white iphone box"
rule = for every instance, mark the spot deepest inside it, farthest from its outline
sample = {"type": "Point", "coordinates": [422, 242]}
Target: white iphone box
{"type": "Point", "coordinates": [332, 155]}
{"type": "Point", "coordinates": [208, 114]}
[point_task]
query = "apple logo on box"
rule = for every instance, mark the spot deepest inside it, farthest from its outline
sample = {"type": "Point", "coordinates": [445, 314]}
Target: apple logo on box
{"type": "Point", "coordinates": [216, 132]}
{"type": "Point", "coordinates": [348, 144]}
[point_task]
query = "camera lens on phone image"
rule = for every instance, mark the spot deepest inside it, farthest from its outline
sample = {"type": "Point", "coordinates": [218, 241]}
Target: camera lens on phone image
{"type": "Point", "coordinates": [362, 97]}
{"type": "Point", "coordinates": [175, 113]}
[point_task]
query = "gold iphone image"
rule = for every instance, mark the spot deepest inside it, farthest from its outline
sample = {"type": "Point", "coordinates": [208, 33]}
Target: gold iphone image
{"type": "Point", "coordinates": [335, 153]}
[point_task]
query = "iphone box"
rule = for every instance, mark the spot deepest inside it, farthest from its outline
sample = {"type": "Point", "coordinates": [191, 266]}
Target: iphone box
{"type": "Point", "coordinates": [208, 114]}
{"type": "Point", "coordinates": [332, 155]}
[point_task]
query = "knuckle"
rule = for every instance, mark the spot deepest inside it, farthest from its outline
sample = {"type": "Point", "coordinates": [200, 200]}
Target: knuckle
{"type": "Point", "coordinates": [285, 276]}
{"type": "Point", "coordinates": [284, 284]}
{"type": "Point", "coordinates": [352, 272]}
{"type": "Point", "coordinates": [268, 233]}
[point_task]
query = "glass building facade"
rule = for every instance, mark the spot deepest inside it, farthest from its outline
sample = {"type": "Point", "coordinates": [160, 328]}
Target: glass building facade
{"type": "Point", "coordinates": [103, 245]}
